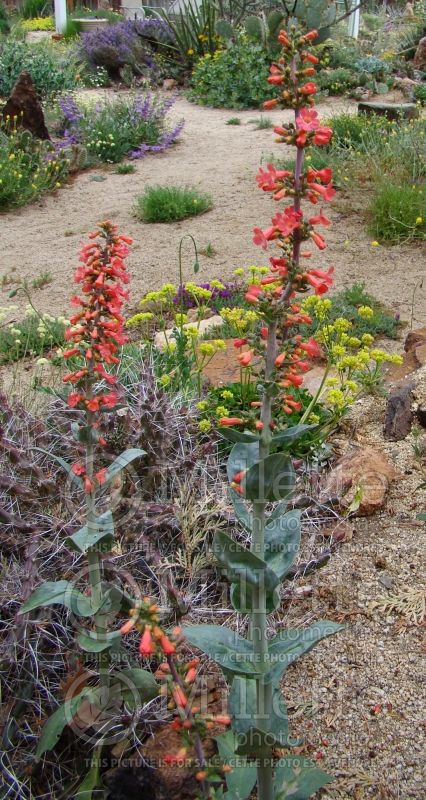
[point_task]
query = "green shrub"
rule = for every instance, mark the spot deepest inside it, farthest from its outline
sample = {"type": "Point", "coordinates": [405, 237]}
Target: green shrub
{"type": "Point", "coordinates": [36, 8]}
{"type": "Point", "coordinates": [118, 126]}
{"type": "Point", "coordinates": [32, 335]}
{"type": "Point", "coordinates": [398, 212]}
{"type": "Point", "coordinates": [262, 123]}
{"type": "Point", "coordinates": [28, 168]}
{"type": "Point", "coordinates": [233, 121]}
{"type": "Point", "coordinates": [234, 77]}
{"type": "Point", "coordinates": [420, 93]}
{"type": "Point", "coordinates": [171, 203]}
{"type": "Point", "coordinates": [337, 81]}
{"type": "Point", "coordinates": [4, 20]}
{"type": "Point", "coordinates": [125, 169]}
{"type": "Point", "coordinates": [51, 65]}
{"type": "Point", "coordinates": [346, 303]}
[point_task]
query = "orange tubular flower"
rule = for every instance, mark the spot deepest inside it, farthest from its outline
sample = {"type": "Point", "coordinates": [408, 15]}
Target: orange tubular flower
{"type": "Point", "coordinates": [228, 422]}
{"type": "Point", "coordinates": [146, 646]}
{"type": "Point", "coordinates": [245, 358]}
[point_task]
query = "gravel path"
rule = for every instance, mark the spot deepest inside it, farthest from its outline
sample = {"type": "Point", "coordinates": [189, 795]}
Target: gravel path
{"type": "Point", "coordinates": [213, 157]}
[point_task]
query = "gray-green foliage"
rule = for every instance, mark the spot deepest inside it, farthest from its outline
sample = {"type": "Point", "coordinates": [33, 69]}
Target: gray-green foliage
{"type": "Point", "coordinates": [52, 68]}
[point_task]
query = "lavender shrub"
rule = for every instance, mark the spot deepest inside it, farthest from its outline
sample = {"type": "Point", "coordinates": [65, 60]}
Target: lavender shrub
{"type": "Point", "coordinates": [130, 43]}
{"type": "Point", "coordinates": [118, 127]}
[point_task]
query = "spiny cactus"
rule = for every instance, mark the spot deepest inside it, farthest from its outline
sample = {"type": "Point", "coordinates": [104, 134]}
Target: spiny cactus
{"type": "Point", "coordinates": [317, 14]}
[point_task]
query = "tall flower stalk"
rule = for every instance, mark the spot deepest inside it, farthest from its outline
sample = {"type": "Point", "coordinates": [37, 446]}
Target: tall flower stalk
{"type": "Point", "coordinates": [259, 468]}
{"type": "Point", "coordinates": [95, 337]}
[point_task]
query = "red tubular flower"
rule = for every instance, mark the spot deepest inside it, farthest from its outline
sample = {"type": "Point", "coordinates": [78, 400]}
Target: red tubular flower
{"type": "Point", "coordinates": [320, 280]}
{"type": "Point", "coordinates": [146, 646]}
{"type": "Point", "coordinates": [78, 469]}
{"type": "Point", "coordinates": [311, 347]}
{"type": "Point", "coordinates": [309, 57]}
{"type": "Point", "coordinates": [320, 219]}
{"type": "Point", "coordinates": [322, 136]}
{"type": "Point", "coordinates": [245, 358]}
{"type": "Point", "coordinates": [127, 627]}
{"type": "Point", "coordinates": [228, 422]}
{"type": "Point", "coordinates": [308, 88]}
{"type": "Point", "coordinates": [240, 342]}
{"type": "Point", "coordinates": [166, 645]}
{"type": "Point", "coordinates": [262, 238]}
{"type": "Point", "coordinates": [239, 476]}
{"type": "Point", "coordinates": [269, 104]}
{"type": "Point", "coordinates": [179, 697]}
{"type": "Point", "coordinates": [253, 292]}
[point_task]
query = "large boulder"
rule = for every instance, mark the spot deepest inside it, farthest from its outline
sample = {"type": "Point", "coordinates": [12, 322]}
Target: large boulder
{"type": "Point", "coordinates": [24, 105]}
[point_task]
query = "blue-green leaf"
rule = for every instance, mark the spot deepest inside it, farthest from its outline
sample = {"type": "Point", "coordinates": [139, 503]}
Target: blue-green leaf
{"type": "Point", "coordinates": [63, 715]}
{"type": "Point", "coordinates": [90, 782]}
{"type": "Point", "coordinates": [282, 542]}
{"type": "Point", "coordinates": [241, 564]}
{"type": "Point", "coordinates": [121, 462]}
{"type": "Point", "coordinates": [224, 646]}
{"type": "Point", "coordinates": [297, 778]}
{"type": "Point", "coordinates": [233, 435]}
{"type": "Point", "coordinates": [272, 478]}
{"type": "Point", "coordinates": [290, 435]}
{"type": "Point", "coordinates": [63, 593]}
{"type": "Point", "coordinates": [93, 642]}
{"type": "Point", "coordinates": [240, 781]}
{"type": "Point", "coordinates": [241, 511]}
{"type": "Point", "coordinates": [290, 644]}
{"type": "Point", "coordinates": [102, 531]}
{"type": "Point", "coordinates": [242, 457]}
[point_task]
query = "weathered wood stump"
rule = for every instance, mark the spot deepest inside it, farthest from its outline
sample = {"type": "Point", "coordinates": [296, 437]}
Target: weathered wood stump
{"type": "Point", "coordinates": [390, 110]}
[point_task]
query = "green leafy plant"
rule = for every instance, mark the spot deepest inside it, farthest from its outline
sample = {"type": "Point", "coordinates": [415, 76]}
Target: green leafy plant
{"type": "Point", "coordinates": [94, 338]}
{"type": "Point", "coordinates": [262, 123]}
{"type": "Point", "coordinates": [233, 121]}
{"type": "Point", "coordinates": [398, 213]}
{"type": "Point", "coordinates": [4, 20]}
{"type": "Point", "coordinates": [234, 77]}
{"type": "Point", "coordinates": [171, 203]}
{"type": "Point", "coordinates": [35, 8]}
{"type": "Point", "coordinates": [346, 304]}
{"type": "Point", "coordinates": [125, 169]}
{"type": "Point", "coordinates": [53, 67]}
{"type": "Point", "coordinates": [193, 29]}
{"type": "Point", "coordinates": [118, 127]}
{"type": "Point", "coordinates": [29, 167]}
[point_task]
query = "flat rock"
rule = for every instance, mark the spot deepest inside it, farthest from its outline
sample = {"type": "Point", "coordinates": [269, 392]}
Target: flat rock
{"type": "Point", "coordinates": [25, 105]}
{"type": "Point", "coordinates": [205, 325]}
{"type": "Point", "coordinates": [398, 416]}
{"type": "Point", "coordinates": [362, 471]}
{"type": "Point", "coordinates": [389, 110]}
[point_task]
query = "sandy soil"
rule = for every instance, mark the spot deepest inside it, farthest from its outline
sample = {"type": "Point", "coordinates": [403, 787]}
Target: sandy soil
{"type": "Point", "coordinates": [213, 157]}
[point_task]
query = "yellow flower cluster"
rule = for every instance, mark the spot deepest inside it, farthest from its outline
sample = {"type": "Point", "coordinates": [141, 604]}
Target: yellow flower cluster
{"type": "Point", "coordinates": [139, 319]}
{"type": "Point", "coordinates": [38, 24]}
{"type": "Point", "coordinates": [356, 365]}
{"type": "Point", "coordinates": [239, 320]}
{"type": "Point", "coordinates": [212, 347]}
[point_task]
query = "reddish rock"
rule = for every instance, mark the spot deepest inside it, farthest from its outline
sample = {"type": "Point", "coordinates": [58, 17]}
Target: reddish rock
{"type": "Point", "coordinates": [419, 60]}
{"type": "Point", "coordinates": [398, 417]}
{"type": "Point", "coordinates": [24, 104]}
{"type": "Point", "coordinates": [169, 84]}
{"type": "Point", "coordinates": [420, 353]}
{"type": "Point", "coordinates": [365, 472]}
{"type": "Point", "coordinates": [415, 338]}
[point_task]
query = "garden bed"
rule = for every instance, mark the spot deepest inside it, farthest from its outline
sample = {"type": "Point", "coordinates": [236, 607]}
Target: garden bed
{"type": "Point", "coordinates": [218, 159]}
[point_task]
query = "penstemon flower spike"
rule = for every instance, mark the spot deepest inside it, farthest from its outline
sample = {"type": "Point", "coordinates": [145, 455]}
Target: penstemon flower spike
{"type": "Point", "coordinates": [259, 468]}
